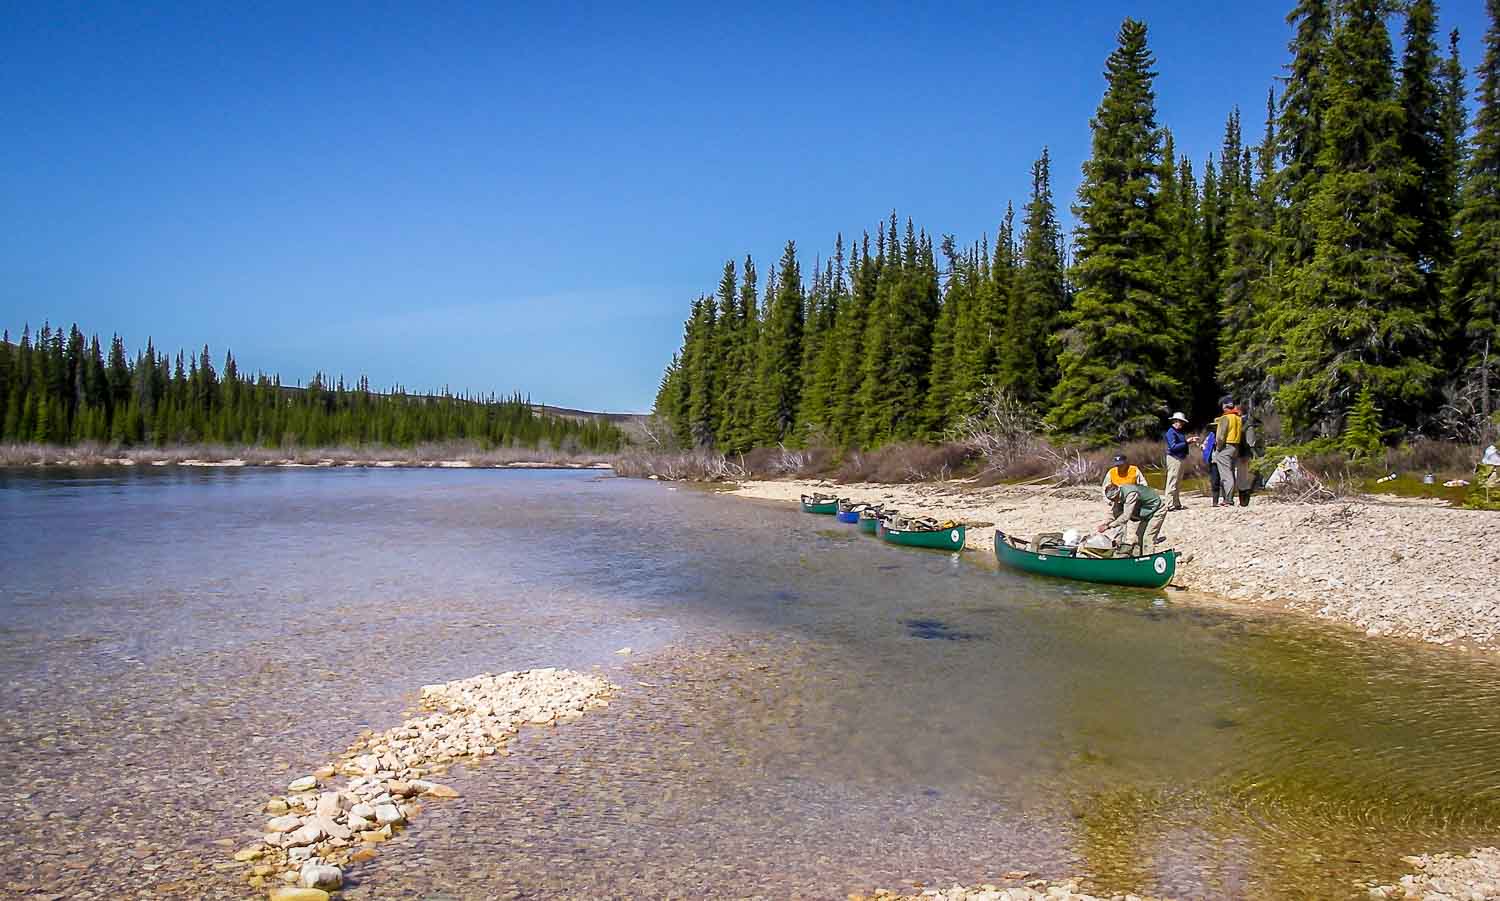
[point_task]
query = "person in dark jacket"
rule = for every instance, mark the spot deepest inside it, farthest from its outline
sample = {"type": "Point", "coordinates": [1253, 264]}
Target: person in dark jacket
{"type": "Point", "coordinates": [1177, 451]}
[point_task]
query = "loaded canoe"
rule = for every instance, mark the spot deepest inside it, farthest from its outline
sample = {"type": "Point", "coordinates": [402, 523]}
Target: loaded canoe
{"type": "Point", "coordinates": [1151, 571]}
{"type": "Point", "coordinates": [950, 537]}
{"type": "Point", "coordinates": [849, 512]}
{"type": "Point", "coordinates": [869, 520]}
{"type": "Point", "coordinates": [817, 503]}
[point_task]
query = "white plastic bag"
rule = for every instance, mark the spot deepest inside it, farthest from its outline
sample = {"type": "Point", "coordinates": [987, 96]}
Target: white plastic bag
{"type": "Point", "coordinates": [1288, 470]}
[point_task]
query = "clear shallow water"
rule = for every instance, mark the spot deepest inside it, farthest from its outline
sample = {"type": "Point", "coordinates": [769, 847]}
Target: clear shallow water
{"type": "Point", "coordinates": [807, 712]}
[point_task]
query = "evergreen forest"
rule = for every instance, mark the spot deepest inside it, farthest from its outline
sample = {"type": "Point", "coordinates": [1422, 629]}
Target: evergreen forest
{"type": "Point", "coordinates": [60, 388]}
{"type": "Point", "coordinates": [1340, 252]}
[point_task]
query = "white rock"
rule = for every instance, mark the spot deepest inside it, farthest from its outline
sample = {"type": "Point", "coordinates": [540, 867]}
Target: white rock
{"type": "Point", "coordinates": [285, 823]}
{"type": "Point", "coordinates": [321, 875]}
{"type": "Point", "coordinates": [328, 804]}
{"type": "Point", "coordinates": [307, 835]}
{"type": "Point", "coordinates": [305, 784]}
{"type": "Point", "coordinates": [389, 814]}
{"type": "Point", "coordinates": [363, 811]}
{"type": "Point", "coordinates": [332, 828]}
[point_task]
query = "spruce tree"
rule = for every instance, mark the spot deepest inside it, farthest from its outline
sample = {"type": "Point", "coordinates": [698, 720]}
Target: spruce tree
{"type": "Point", "coordinates": [726, 349]}
{"type": "Point", "coordinates": [1473, 285]}
{"type": "Point", "coordinates": [853, 322]}
{"type": "Point", "coordinates": [1359, 318]}
{"type": "Point", "coordinates": [1116, 355]}
{"type": "Point", "coordinates": [1428, 199]}
{"type": "Point", "coordinates": [1300, 132]}
{"type": "Point", "coordinates": [746, 361]}
{"type": "Point", "coordinates": [779, 375]}
{"type": "Point", "coordinates": [1039, 296]}
{"type": "Point", "coordinates": [945, 341]}
{"type": "Point", "coordinates": [1248, 346]}
{"type": "Point", "coordinates": [701, 349]}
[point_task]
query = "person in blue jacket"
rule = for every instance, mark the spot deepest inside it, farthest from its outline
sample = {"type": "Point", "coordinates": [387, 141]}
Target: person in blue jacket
{"type": "Point", "coordinates": [1213, 471]}
{"type": "Point", "coordinates": [1177, 451]}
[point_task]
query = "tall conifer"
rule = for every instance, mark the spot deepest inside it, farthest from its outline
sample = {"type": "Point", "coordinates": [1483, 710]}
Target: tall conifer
{"type": "Point", "coordinates": [1116, 352]}
{"type": "Point", "coordinates": [1039, 296]}
{"type": "Point", "coordinates": [1359, 319]}
{"type": "Point", "coordinates": [1473, 285]}
{"type": "Point", "coordinates": [779, 375]}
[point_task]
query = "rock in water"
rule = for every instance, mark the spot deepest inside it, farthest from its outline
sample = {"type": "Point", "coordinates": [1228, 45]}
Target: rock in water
{"type": "Point", "coordinates": [389, 814]}
{"type": "Point", "coordinates": [298, 894]}
{"type": "Point", "coordinates": [285, 823]}
{"type": "Point", "coordinates": [321, 876]}
{"type": "Point", "coordinates": [305, 784]}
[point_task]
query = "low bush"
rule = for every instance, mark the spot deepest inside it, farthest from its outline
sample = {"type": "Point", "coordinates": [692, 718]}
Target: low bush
{"type": "Point", "coordinates": [907, 461]}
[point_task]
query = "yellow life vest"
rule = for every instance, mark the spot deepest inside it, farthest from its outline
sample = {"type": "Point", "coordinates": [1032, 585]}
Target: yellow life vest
{"type": "Point", "coordinates": [1128, 478]}
{"type": "Point", "coordinates": [1234, 428]}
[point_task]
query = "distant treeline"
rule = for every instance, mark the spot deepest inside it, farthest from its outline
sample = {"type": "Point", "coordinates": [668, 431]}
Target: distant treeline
{"type": "Point", "coordinates": [60, 388]}
{"type": "Point", "coordinates": [1350, 258]}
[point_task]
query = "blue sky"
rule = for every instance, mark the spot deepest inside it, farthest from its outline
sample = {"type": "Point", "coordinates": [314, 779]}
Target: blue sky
{"type": "Point", "coordinates": [502, 198]}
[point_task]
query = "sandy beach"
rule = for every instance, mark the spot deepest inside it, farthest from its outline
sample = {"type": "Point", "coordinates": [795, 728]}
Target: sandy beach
{"type": "Point", "coordinates": [1389, 566]}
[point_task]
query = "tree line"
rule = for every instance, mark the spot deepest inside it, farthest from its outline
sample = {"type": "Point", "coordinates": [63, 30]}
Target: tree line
{"type": "Point", "coordinates": [1352, 251]}
{"type": "Point", "coordinates": [60, 388]}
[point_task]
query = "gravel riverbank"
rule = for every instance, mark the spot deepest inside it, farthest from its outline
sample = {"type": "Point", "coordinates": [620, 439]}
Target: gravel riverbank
{"type": "Point", "coordinates": [1411, 569]}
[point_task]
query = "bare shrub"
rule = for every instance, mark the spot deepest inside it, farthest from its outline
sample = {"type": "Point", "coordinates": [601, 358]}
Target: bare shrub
{"type": "Point", "coordinates": [1002, 432]}
{"type": "Point", "coordinates": [682, 466]}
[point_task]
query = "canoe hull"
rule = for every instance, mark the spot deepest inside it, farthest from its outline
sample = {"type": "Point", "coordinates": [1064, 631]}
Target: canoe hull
{"type": "Point", "coordinates": [828, 508]}
{"type": "Point", "coordinates": [1153, 571]}
{"type": "Point", "coordinates": [940, 539]}
{"type": "Point", "coordinates": [869, 524]}
{"type": "Point", "coordinates": [847, 517]}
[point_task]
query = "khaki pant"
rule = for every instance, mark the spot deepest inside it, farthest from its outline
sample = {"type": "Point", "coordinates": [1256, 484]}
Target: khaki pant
{"type": "Point", "coordinates": [1147, 533]}
{"type": "Point", "coordinates": [1174, 481]}
{"type": "Point", "coordinates": [1224, 461]}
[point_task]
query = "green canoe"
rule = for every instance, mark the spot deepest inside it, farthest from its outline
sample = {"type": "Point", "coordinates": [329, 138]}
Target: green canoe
{"type": "Point", "coordinates": [817, 503]}
{"type": "Point", "coordinates": [869, 520]}
{"type": "Point", "coordinates": [1152, 571]}
{"type": "Point", "coordinates": [949, 537]}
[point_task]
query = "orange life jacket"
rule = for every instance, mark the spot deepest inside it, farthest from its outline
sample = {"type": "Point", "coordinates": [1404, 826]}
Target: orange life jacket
{"type": "Point", "coordinates": [1129, 478]}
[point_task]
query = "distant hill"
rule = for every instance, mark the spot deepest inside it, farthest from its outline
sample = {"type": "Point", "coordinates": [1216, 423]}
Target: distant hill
{"type": "Point", "coordinates": [566, 413]}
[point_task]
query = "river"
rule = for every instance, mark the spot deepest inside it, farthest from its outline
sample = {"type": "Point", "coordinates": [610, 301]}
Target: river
{"type": "Point", "coordinates": [804, 712]}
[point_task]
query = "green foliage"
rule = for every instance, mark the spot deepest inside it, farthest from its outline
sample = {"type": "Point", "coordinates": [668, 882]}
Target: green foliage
{"type": "Point", "coordinates": [1116, 354]}
{"type": "Point", "coordinates": [1359, 316]}
{"type": "Point", "coordinates": [60, 390]}
{"type": "Point", "coordinates": [1363, 436]}
{"type": "Point", "coordinates": [1038, 297]}
{"type": "Point", "coordinates": [1355, 247]}
{"type": "Point", "coordinates": [1473, 283]}
{"type": "Point", "coordinates": [779, 374]}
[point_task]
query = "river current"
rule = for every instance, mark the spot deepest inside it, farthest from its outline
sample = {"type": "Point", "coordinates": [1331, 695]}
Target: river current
{"type": "Point", "coordinates": [804, 711]}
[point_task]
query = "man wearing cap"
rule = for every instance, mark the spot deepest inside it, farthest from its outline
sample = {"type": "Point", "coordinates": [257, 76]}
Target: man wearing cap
{"type": "Point", "coordinates": [1229, 431]}
{"type": "Point", "coordinates": [1140, 504]}
{"type": "Point", "coordinates": [1121, 473]}
{"type": "Point", "coordinates": [1177, 451]}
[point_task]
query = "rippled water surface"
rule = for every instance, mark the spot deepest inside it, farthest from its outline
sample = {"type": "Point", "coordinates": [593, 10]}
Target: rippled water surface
{"type": "Point", "coordinates": [806, 712]}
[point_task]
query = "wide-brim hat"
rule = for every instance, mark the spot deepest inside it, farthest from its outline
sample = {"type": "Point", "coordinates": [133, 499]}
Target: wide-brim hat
{"type": "Point", "coordinates": [1119, 458]}
{"type": "Point", "coordinates": [1227, 400]}
{"type": "Point", "coordinates": [1178, 417]}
